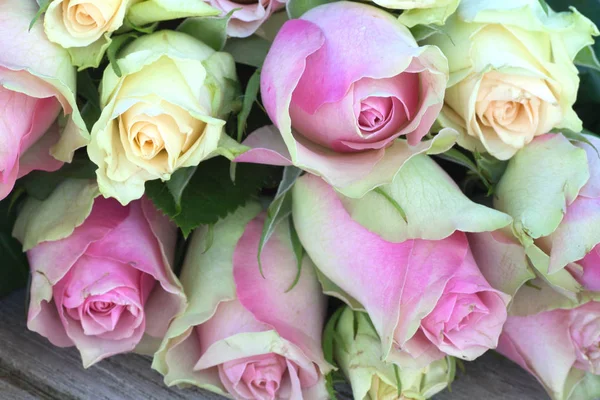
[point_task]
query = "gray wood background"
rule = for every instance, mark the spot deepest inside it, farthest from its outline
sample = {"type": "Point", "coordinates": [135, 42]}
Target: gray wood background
{"type": "Point", "coordinates": [31, 368]}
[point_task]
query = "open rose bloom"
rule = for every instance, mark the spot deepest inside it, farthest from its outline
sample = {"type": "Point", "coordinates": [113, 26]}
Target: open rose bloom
{"type": "Point", "coordinates": [512, 76]}
{"type": "Point", "coordinates": [357, 351]}
{"type": "Point", "coordinates": [400, 253]}
{"type": "Point", "coordinates": [166, 111]}
{"type": "Point", "coordinates": [552, 190]}
{"type": "Point", "coordinates": [37, 83]}
{"type": "Point", "coordinates": [555, 339]}
{"type": "Point", "coordinates": [101, 272]}
{"type": "Point", "coordinates": [340, 106]}
{"type": "Point", "coordinates": [243, 335]}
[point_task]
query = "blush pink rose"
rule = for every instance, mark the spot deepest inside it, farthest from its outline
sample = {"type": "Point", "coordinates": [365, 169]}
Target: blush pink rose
{"type": "Point", "coordinates": [341, 84]}
{"type": "Point", "coordinates": [37, 82]}
{"type": "Point", "coordinates": [426, 298]}
{"type": "Point", "coordinates": [108, 287]}
{"type": "Point", "coordinates": [249, 14]}
{"type": "Point", "coordinates": [243, 335]}
{"type": "Point", "coordinates": [558, 346]}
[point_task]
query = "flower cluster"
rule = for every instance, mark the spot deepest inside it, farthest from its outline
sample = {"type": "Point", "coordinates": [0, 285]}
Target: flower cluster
{"type": "Point", "coordinates": [266, 195]}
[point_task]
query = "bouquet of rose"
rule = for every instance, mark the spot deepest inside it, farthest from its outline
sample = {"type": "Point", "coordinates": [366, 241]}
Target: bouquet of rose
{"type": "Point", "coordinates": [266, 196]}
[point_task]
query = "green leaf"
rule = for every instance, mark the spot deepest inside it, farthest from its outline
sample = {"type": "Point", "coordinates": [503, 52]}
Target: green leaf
{"type": "Point", "coordinates": [328, 341]}
{"type": "Point", "coordinates": [43, 7]}
{"type": "Point", "coordinates": [209, 30]}
{"type": "Point", "coordinates": [587, 58]}
{"type": "Point", "coordinates": [295, 8]}
{"type": "Point", "coordinates": [14, 270]}
{"type": "Point", "coordinates": [210, 194]}
{"type": "Point", "coordinates": [490, 167]}
{"type": "Point", "coordinates": [544, 6]}
{"type": "Point", "coordinates": [118, 42]}
{"type": "Point", "coordinates": [178, 182]}
{"type": "Point", "coordinates": [279, 209]}
{"type": "Point", "coordinates": [248, 51]}
{"type": "Point", "coordinates": [87, 89]}
{"type": "Point", "coordinates": [41, 184]}
{"type": "Point", "coordinates": [298, 252]}
{"type": "Point", "coordinates": [458, 157]}
{"type": "Point", "coordinates": [249, 99]}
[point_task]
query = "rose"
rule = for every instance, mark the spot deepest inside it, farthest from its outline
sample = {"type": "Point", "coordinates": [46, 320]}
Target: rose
{"type": "Point", "coordinates": [166, 111]}
{"type": "Point", "coordinates": [37, 82]}
{"type": "Point", "coordinates": [400, 253]}
{"type": "Point", "coordinates": [357, 351]}
{"type": "Point", "coordinates": [346, 125]}
{"type": "Point", "coordinates": [242, 334]}
{"type": "Point", "coordinates": [422, 12]}
{"type": "Point", "coordinates": [511, 72]}
{"type": "Point", "coordinates": [555, 339]}
{"type": "Point", "coordinates": [552, 190]}
{"type": "Point", "coordinates": [101, 273]}
{"type": "Point", "coordinates": [84, 27]}
{"type": "Point", "coordinates": [248, 16]}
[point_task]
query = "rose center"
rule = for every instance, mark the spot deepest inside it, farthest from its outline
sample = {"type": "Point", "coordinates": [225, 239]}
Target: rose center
{"type": "Point", "coordinates": [83, 17]}
{"type": "Point", "coordinates": [375, 112]}
{"type": "Point", "coordinates": [148, 139]}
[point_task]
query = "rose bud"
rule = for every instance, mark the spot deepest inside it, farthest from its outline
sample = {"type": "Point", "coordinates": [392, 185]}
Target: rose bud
{"type": "Point", "coordinates": [400, 254]}
{"type": "Point", "coordinates": [357, 350]}
{"type": "Point", "coordinates": [37, 83]}
{"type": "Point", "coordinates": [245, 335]}
{"type": "Point", "coordinates": [248, 15]}
{"type": "Point", "coordinates": [101, 277]}
{"type": "Point", "coordinates": [512, 76]}
{"type": "Point", "coordinates": [552, 190]}
{"type": "Point", "coordinates": [85, 27]}
{"type": "Point", "coordinates": [345, 128]}
{"type": "Point", "coordinates": [555, 339]}
{"type": "Point", "coordinates": [166, 111]}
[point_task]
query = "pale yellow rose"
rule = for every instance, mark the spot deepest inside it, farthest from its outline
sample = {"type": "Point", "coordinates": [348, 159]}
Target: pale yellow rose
{"type": "Point", "coordinates": [512, 75]}
{"type": "Point", "coordinates": [85, 26]}
{"type": "Point", "coordinates": [165, 112]}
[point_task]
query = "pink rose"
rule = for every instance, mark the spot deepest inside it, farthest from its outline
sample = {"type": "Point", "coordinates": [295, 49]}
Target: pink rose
{"type": "Point", "coordinates": [37, 82]}
{"type": "Point", "coordinates": [552, 189]}
{"type": "Point", "coordinates": [556, 346]}
{"type": "Point", "coordinates": [244, 335]}
{"type": "Point", "coordinates": [426, 298]}
{"type": "Point", "coordinates": [249, 14]}
{"type": "Point", "coordinates": [107, 287]}
{"type": "Point", "coordinates": [342, 84]}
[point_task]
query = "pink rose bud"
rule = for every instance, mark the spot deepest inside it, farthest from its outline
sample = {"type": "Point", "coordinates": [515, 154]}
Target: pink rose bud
{"type": "Point", "coordinates": [248, 15]}
{"type": "Point", "coordinates": [37, 82]}
{"type": "Point", "coordinates": [552, 189]}
{"type": "Point", "coordinates": [341, 84]}
{"type": "Point", "coordinates": [419, 283]}
{"type": "Point", "coordinates": [556, 339]}
{"type": "Point", "coordinates": [106, 286]}
{"type": "Point", "coordinates": [243, 335]}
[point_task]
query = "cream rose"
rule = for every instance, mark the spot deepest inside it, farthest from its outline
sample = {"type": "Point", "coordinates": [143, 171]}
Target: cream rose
{"type": "Point", "coordinates": [165, 112]}
{"type": "Point", "coordinates": [79, 23]}
{"type": "Point", "coordinates": [512, 75]}
{"type": "Point", "coordinates": [422, 11]}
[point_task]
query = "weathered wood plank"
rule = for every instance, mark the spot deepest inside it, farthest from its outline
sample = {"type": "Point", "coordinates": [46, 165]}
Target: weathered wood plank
{"type": "Point", "coordinates": [31, 368]}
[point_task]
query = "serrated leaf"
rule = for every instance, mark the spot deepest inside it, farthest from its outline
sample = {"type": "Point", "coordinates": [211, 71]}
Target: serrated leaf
{"type": "Point", "coordinates": [209, 30]}
{"type": "Point", "coordinates": [210, 193]}
{"type": "Point", "coordinates": [43, 7]}
{"type": "Point", "coordinates": [118, 42]}
{"type": "Point", "coordinates": [178, 182]}
{"type": "Point", "coordinates": [295, 8]}
{"type": "Point", "coordinates": [14, 270]}
{"type": "Point", "coordinates": [279, 209]}
{"type": "Point", "coordinates": [248, 51]}
{"type": "Point", "coordinates": [249, 99]}
{"type": "Point", "coordinates": [298, 252]}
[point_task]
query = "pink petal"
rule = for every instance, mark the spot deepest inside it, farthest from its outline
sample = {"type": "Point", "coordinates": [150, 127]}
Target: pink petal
{"type": "Point", "coordinates": [592, 187]}
{"type": "Point", "coordinates": [266, 298]}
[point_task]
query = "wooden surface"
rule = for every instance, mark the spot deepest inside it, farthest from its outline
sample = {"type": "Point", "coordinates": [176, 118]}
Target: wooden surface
{"type": "Point", "coordinates": [31, 368]}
